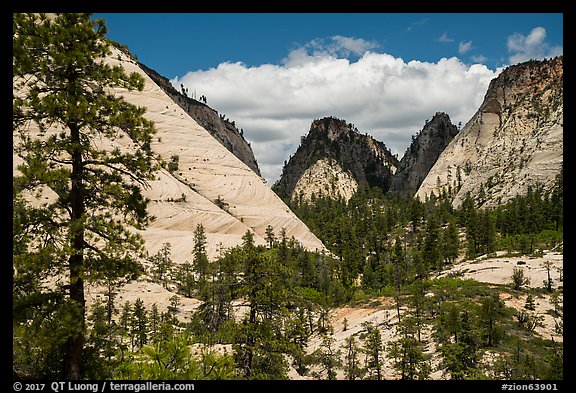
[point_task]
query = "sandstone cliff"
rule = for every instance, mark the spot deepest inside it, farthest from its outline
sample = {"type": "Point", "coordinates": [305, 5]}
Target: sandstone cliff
{"type": "Point", "coordinates": [222, 129]}
{"type": "Point", "coordinates": [209, 185]}
{"type": "Point", "coordinates": [514, 140]}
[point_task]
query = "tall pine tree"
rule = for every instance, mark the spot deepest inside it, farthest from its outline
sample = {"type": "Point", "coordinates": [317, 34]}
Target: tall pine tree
{"type": "Point", "coordinates": [64, 108]}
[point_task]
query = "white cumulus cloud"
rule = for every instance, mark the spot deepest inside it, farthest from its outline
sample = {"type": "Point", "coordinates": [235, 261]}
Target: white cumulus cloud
{"type": "Point", "coordinates": [382, 95]}
{"type": "Point", "coordinates": [532, 46]}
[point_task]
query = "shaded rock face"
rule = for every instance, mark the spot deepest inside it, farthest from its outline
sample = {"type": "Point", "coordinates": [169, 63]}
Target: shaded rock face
{"type": "Point", "coordinates": [218, 126]}
{"type": "Point", "coordinates": [367, 161]}
{"type": "Point", "coordinates": [514, 141]}
{"type": "Point", "coordinates": [423, 153]}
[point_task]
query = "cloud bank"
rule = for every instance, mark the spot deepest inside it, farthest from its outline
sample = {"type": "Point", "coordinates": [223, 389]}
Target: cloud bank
{"type": "Point", "coordinates": [382, 95]}
{"type": "Point", "coordinates": [532, 46]}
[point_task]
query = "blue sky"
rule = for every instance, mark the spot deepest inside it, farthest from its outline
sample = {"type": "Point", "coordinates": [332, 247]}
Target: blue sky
{"type": "Point", "coordinates": [386, 73]}
{"type": "Point", "coordinates": [175, 43]}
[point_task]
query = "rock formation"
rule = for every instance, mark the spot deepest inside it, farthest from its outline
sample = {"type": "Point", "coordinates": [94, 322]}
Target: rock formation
{"type": "Point", "coordinates": [205, 184]}
{"type": "Point", "coordinates": [514, 140]}
{"type": "Point", "coordinates": [422, 154]}
{"type": "Point", "coordinates": [335, 159]}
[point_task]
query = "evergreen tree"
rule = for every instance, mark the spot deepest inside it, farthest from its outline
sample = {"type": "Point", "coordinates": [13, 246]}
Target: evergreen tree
{"type": "Point", "coordinates": [154, 321]}
{"type": "Point", "coordinates": [63, 93]}
{"type": "Point", "coordinates": [174, 307]}
{"type": "Point", "coordinates": [548, 283]}
{"type": "Point", "coordinates": [374, 350]}
{"type": "Point", "coordinates": [124, 324]}
{"type": "Point", "coordinates": [399, 271]}
{"type": "Point", "coordinates": [260, 342]}
{"type": "Point", "coordinates": [407, 352]}
{"type": "Point", "coordinates": [450, 243]}
{"type": "Point", "coordinates": [327, 357]}
{"type": "Point", "coordinates": [270, 239]}
{"type": "Point", "coordinates": [490, 314]}
{"type": "Point", "coordinates": [420, 304]}
{"type": "Point", "coordinates": [101, 343]}
{"type": "Point", "coordinates": [529, 304]}
{"type": "Point", "coordinates": [431, 249]}
{"type": "Point", "coordinates": [519, 279]}
{"type": "Point", "coordinates": [185, 279]}
{"type": "Point", "coordinates": [217, 295]}
{"type": "Point", "coordinates": [352, 368]}
{"type": "Point", "coordinates": [459, 356]}
{"type": "Point", "coordinates": [162, 264]}
{"type": "Point", "coordinates": [557, 202]}
{"type": "Point", "coordinates": [298, 332]}
{"type": "Point", "coordinates": [139, 324]}
{"type": "Point", "coordinates": [200, 261]}
{"type": "Point", "coordinates": [111, 293]}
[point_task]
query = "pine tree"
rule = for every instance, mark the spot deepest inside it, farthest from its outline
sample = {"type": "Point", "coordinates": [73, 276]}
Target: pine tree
{"type": "Point", "coordinates": [460, 355]}
{"type": "Point", "coordinates": [450, 242]}
{"type": "Point", "coordinates": [490, 314]}
{"type": "Point", "coordinates": [270, 239]}
{"type": "Point", "coordinates": [399, 271]}
{"type": "Point", "coordinates": [298, 332]}
{"type": "Point", "coordinates": [408, 352]}
{"type": "Point", "coordinates": [431, 248]}
{"type": "Point", "coordinates": [185, 279]}
{"type": "Point", "coordinates": [124, 324]}
{"type": "Point", "coordinates": [519, 279]}
{"type": "Point", "coordinates": [374, 350]}
{"type": "Point", "coordinates": [327, 357]}
{"type": "Point", "coordinates": [63, 94]}
{"type": "Point", "coordinates": [352, 368]}
{"type": "Point", "coordinates": [139, 324]}
{"type": "Point", "coordinates": [162, 264]}
{"type": "Point", "coordinates": [260, 342]}
{"type": "Point", "coordinates": [200, 262]}
{"type": "Point", "coordinates": [529, 304]}
{"type": "Point", "coordinates": [548, 283]}
{"type": "Point", "coordinates": [154, 321]}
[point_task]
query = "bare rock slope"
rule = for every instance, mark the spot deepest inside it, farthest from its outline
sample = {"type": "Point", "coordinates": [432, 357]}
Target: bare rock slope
{"type": "Point", "coordinates": [217, 125]}
{"type": "Point", "coordinates": [210, 186]}
{"type": "Point", "coordinates": [513, 141]}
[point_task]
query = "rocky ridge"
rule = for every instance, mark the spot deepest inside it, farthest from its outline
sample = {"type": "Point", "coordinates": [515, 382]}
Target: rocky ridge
{"type": "Point", "coordinates": [330, 141]}
{"type": "Point", "coordinates": [422, 153]}
{"type": "Point", "coordinates": [515, 139]}
{"type": "Point", "coordinates": [218, 125]}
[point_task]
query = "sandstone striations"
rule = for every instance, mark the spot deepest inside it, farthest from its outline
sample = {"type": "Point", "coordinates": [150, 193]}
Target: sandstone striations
{"type": "Point", "coordinates": [335, 159]}
{"type": "Point", "coordinates": [217, 125]}
{"type": "Point", "coordinates": [515, 139]}
{"type": "Point", "coordinates": [205, 182]}
{"type": "Point", "coordinates": [422, 154]}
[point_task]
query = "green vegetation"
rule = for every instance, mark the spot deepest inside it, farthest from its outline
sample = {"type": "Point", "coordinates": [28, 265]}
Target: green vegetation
{"type": "Point", "coordinates": [80, 236]}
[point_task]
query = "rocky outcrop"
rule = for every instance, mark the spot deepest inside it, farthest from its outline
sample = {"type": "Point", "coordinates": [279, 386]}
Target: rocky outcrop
{"type": "Point", "coordinates": [325, 177]}
{"type": "Point", "coordinates": [222, 129]}
{"type": "Point", "coordinates": [423, 153]}
{"type": "Point", "coordinates": [361, 158]}
{"type": "Point", "coordinates": [515, 139]}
